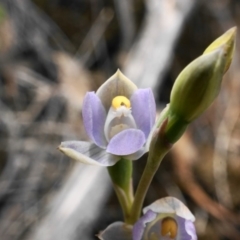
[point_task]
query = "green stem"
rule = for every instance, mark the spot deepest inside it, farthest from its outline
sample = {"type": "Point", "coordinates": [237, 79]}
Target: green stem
{"type": "Point", "coordinates": [145, 181]}
{"type": "Point", "coordinates": [125, 199]}
{"type": "Point", "coordinates": [121, 176]}
{"type": "Point", "coordinates": [158, 149]}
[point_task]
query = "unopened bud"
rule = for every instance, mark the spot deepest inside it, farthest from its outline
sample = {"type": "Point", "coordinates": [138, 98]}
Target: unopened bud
{"type": "Point", "coordinates": [198, 85]}
{"type": "Point", "coordinates": [227, 41]}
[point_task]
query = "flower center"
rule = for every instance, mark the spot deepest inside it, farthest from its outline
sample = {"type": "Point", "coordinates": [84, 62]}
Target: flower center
{"type": "Point", "coordinates": [169, 227]}
{"type": "Point", "coordinates": [119, 101]}
{"type": "Point", "coordinates": [119, 117]}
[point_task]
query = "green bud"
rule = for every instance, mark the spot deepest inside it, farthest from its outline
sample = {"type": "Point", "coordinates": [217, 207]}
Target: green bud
{"type": "Point", "coordinates": [198, 85]}
{"type": "Point", "coordinates": [227, 41]}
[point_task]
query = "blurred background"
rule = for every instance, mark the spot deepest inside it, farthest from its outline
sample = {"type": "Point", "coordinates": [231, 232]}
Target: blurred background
{"type": "Point", "coordinates": [51, 53]}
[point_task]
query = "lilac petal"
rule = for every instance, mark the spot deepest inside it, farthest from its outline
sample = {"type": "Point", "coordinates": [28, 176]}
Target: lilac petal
{"type": "Point", "coordinates": [186, 229]}
{"type": "Point", "coordinates": [170, 205]}
{"type": "Point", "coordinates": [94, 116]}
{"type": "Point", "coordinates": [87, 153]}
{"type": "Point", "coordinates": [137, 155]}
{"type": "Point", "coordinates": [144, 109]}
{"type": "Point", "coordinates": [117, 85]}
{"type": "Point", "coordinates": [139, 226]}
{"type": "Point", "coordinates": [116, 231]}
{"type": "Point", "coordinates": [126, 142]}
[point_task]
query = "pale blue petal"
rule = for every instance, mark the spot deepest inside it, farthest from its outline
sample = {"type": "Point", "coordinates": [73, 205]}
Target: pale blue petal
{"type": "Point", "coordinates": [94, 116]}
{"type": "Point", "coordinates": [137, 155]}
{"type": "Point", "coordinates": [126, 142]}
{"type": "Point", "coordinates": [186, 229]}
{"type": "Point", "coordinates": [117, 231]}
{"type": "Point", "coordinates": [144, 109]}
{"type": "Point", "coordinates": [139, 226]}
{"type": "Point", "coordinates": [87, 153]}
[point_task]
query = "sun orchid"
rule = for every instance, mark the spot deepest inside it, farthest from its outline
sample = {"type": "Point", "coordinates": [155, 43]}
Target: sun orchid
{"type": "Point", "coordinates": [118, 119]}
{"type": "Point", "coordinates": [165, 219]}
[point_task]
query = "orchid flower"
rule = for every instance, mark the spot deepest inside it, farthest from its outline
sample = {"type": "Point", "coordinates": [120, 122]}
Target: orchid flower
{"type": "Point", "coordinates": [166, 219]}
{"type": "Point", "coordinates": [118, 119]}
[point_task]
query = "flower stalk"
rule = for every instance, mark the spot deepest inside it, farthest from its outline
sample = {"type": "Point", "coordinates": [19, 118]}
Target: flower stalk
{"type": "Point", "coordinates": [121, 176]}
{"type": "Point", "coordinates": [159, 147]}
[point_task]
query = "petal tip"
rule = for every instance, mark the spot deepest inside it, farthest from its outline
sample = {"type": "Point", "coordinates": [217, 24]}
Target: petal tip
{"type": "Point", "coordinates": [118, 71]}
{"type": "Point", "coordinates": [120, 75]}
{"type": "Point", "coordinates": [60, 148]}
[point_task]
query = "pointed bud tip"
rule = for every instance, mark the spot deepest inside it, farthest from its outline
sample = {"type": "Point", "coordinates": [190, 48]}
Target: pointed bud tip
{"type": "Point", "coordinates": [233, 30]}
{"type": "Point", "coordinates": [227, 39]}
{"type": "Point", "coordinates": [227, 43]}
